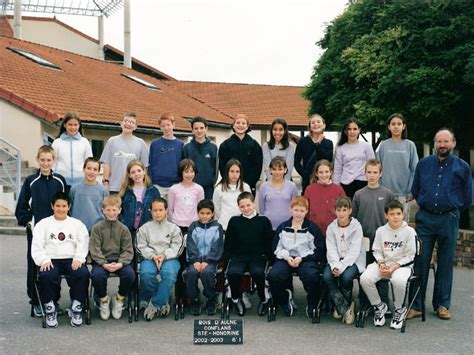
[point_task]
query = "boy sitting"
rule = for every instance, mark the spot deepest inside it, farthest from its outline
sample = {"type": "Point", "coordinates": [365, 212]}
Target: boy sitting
{"type": "Point", "coordinates": [394, 251]}
{"type": "Point", "coordinates": [248, 245]}
{"type": "Point", "coordinates": [111, 250]}
{"type": "Point", "coordinates": [60, 245]}
{"type": "Point", "coordinates": [204, 247]}
{"type": "Point", "coordinates": [160, 243]}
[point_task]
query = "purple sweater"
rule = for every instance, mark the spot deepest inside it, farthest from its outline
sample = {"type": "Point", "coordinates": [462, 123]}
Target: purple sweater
{"type": "Point", "coordinates": [349, 163]}
{"type": "Point", "coordinates": [275, 204]}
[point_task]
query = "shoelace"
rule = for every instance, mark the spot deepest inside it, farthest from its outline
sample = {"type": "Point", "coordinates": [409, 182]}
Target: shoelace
{"type": "Point", "coordinates": [50, 316]}
{"type": "Point", "coordinates": [378, 312]}
{"type": "Point", "coordinates": [398, 315]}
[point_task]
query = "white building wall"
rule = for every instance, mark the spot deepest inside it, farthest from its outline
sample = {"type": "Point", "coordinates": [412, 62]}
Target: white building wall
{"type": "Point", "coordinates": [54, 35]}
{"type": "Point", "coordinates": [21, 129]}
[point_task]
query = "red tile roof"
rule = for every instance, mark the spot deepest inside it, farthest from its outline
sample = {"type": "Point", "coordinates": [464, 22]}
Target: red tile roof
{"type": "Point", "coordinates": [82, 34]}
{"type": "Point", "coordinates": [261, 103]}
{"type": "Point", "coordinates": [5, 28]}
{"type": "Point", "coordinates": [91, 87]}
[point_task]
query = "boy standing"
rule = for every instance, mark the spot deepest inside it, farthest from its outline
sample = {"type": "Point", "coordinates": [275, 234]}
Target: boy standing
{"type": "Point", "coordinates": [369, 202]}
{"type": "Point", "coordinates": [248, 245]}
{"type": "Point", "coordinates": [121, 150]}
{"type": "Point", "coordinates": [204, 154]}
{"type": "Point", "coordinates": [394, 251]}
{"type": "Point", "coordinates": [60, 245]}
{"type": "Point", "coordinates": [165, 154]}
{"type": "Point", "coordinates": [111, 251]}
{"type": "Point", "coordinates": [33, 205]}
{"type": "Point", "coordinates": [87, 196]}
{"type": "Point", "coordinates": [160, 243]}
{"type": "Point", "coordinates": [204, 247]}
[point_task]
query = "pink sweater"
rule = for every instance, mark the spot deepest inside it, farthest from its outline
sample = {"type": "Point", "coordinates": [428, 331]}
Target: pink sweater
{"type": "Point", "coordinates": [182, 203]}
{"type": "Point", "coordinates": [322, 199]}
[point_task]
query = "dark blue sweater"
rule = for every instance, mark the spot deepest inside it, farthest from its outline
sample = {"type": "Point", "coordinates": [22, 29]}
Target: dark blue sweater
{"type": "Point", "coordinates": [204, 155]}
{"type": "Point", "coordinates": [164, 158]}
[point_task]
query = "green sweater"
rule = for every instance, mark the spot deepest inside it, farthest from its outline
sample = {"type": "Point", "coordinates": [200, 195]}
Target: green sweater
{"type": "Point", "coordinates": [111, 240]}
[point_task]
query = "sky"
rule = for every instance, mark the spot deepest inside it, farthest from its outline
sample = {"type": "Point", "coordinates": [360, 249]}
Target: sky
{"type": "Point", "coordinates": [246, 41]}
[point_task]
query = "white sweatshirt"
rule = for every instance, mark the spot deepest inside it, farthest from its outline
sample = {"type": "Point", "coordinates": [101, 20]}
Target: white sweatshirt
{"type": "Point", "coordinates": [225, 203]}
{"type": "Point", "coordinates": [53, 239]}
{"type": "Point", "coordinates": [70, 156]}
{"type": "Point", "coordinates": [395, 246]}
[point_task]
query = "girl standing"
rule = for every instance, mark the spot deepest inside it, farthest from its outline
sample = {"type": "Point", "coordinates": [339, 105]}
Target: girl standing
{"type": "Point", "coordinates": [227, 191]}
{"type": "Point", "coordinates": [137, 193]}
{"type": "Point", "coordinates": [322, 195]}
{"type": "Point", "coordinates": [312, 148]}
{"type": "Point", "coordinates": [278, 146]}
{"type": "Point", "coordinates": [245, 149]}
{"type": "Point", "coordinates": [399, 159]}
{"type": "Point", "coordinates": [351, 156]}
{"type": "Point", "coordinates": [184, 196]}
{"type": "Point", "coordinates": [71, 149]}
{"type": "Point", "coordinates": [275, 195]}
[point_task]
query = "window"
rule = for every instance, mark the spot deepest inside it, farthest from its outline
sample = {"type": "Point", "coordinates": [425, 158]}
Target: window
{"type": "Point", "coordinates": [35, 58]}
{"type": "Point", "coordinates": [142, 82]}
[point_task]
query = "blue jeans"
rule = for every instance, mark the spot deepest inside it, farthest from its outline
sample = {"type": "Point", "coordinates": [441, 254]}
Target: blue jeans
{"type": "Point", "coordinates": [443, 229]}
{"type": "Point", "coordinates": [208, 279]}
{"type": "Point", "coordinates": [152, 289]}
{"type": "Point", "coordinates": [340, 288]}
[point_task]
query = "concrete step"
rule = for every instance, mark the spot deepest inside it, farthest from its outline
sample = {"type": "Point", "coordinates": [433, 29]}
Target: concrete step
{"type": "Point", "coordinates": [13, 230]}
{"type": "Point", "coordinates": [8, 221]}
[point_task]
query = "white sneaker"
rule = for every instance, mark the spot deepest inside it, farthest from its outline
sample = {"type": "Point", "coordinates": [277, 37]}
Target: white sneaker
{"type": "Point", "coordinates": [349, 316]}
{"type": "Point", "coordinates": [51, 315]}
{"type": "Point", "coordinates": [165, 310]}
{"type": "Point", "coordinates": [246, 300]}
{"type": "Point", "coordinates": [150, 312]}
{"type": "Point", "coordinates": [76, 313]}
{"type": "Point", "coordinates": [117, 307]}
{"type": "Point", "coordinates": [104, 308]}
{"type": "Point", "coordinates": [398, 317]}
{"type": "Point", "coordinates": [379, 314]}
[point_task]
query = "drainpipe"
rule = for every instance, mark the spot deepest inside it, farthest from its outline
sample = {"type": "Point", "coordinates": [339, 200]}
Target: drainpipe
{"type": "Point", "coordinates": [101, 37]}
{"type": "Point", "coordinates": [127, 56]}
{"type": "Point", "coordinates": [17, 20]}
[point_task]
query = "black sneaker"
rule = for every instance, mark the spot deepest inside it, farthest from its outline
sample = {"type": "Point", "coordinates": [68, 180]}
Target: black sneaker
{"type": "Point", "coordinates": [211, 307]}
{"type": "Point", "coordinates": [239, 306]}
{"type": "Point", "coordinates": [262, 308]}
{"type": "Point", "coordinates": [196, 308]}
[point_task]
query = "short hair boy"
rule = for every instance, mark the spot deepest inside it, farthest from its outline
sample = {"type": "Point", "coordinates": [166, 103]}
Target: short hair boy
{"type": "Point", "coordinates": [87, 195]}
{"type": "Point", "coordinates": [165, 154]}
{"type": "Point", "coordinates": [346, 259]}
{"type": "Point", "coordinates": [121, 150]}
{"type": "Point", "coordinates": [394, 251]}
{"type": "Point", "coordinates": [59, 247]}
{"type": "Point", "coordinates": [160, 243]}
{"type": "Point", "coordinates": [203, 152]}
{"type": "Point", "coordinates": [34, 204]}
{"type": "Point", "coordinates": [111, 250]}
{"type": "Point", "coordinates": [204, 247]}
{"type": "Point", "coordinates": [248, 246]}
{"type": "Point", "coordinates": [369, 202]}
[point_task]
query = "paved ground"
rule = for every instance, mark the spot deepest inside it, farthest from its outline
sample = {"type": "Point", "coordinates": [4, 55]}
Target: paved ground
{"type": "Point", "coordinates": [20, 334]}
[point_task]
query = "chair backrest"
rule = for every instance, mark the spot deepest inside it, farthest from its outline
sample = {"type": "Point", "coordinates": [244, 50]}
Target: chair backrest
{"type": "Point", "coordinates": [365, 244]}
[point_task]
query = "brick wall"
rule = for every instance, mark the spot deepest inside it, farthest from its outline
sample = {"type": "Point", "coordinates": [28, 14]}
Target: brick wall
{"type": "Point", "coordinates": [465, 249]}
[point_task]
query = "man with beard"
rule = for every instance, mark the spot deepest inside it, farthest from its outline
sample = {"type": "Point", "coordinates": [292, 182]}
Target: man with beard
{"type": "Point", "coordinates": [442, 188]}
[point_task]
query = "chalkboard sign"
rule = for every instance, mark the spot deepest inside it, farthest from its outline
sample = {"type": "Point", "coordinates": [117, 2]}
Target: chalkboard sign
{"type": "Point", "coordinates": [218, 331]}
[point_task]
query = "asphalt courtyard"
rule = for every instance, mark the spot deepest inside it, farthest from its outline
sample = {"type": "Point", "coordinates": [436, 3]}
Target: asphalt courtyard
{"type": "Point", "coordinates": [21, 334]}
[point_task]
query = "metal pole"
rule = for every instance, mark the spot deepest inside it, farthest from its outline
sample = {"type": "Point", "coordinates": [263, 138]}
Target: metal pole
{"type": "Point", "coordinates": [17, 20]}
{"type": "Point", "coordinates": [127, 47]}
{"type": "Point", "coordinates": [18, 175]}
{"type": "Point", "coordinates": [101, 37]}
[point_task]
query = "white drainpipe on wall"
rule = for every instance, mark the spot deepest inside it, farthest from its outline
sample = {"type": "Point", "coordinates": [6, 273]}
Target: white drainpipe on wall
{"type": "Point", "coordinates": [17, 20]}
{"type": "Point", "coordinates": [127, 48]}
